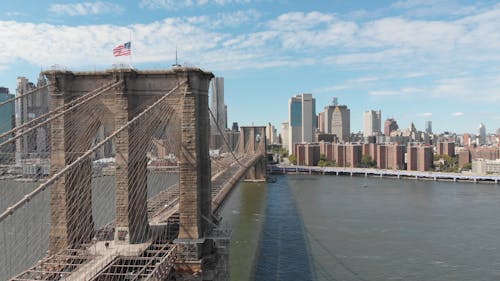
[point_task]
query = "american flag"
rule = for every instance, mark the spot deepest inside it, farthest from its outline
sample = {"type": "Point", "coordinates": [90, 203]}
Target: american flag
{"type": "Point", "coordinates": [122, 50]}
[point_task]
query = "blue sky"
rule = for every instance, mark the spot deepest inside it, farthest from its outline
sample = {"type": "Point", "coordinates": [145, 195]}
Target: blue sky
{"type": "Point", "coordinates": [415, 60]}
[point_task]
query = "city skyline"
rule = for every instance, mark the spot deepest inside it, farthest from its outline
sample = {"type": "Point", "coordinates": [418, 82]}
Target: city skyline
{"type": "Point", "coordinates": [415, 60]}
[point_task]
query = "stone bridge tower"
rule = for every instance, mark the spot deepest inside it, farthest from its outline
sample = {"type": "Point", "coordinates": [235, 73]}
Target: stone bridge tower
{"type": "Point", "coordinates": [253, 140]}
{"type": "Point", "coordinates": [129, 91]}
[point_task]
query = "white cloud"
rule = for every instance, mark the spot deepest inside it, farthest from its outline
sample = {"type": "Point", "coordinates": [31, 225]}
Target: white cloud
{"type": "Point", "coordinates": [13, 14]}
{"type": "Point", "coordinates": [397, 44]}
{"type": "Point", "coordinates": [232, 19]}
{"type": "Point", "coordinates": [390, 55]}
{"type": "Point", "coordinates": [332, 88]}
{"type": "Point", "coordinates": [425, 114]}
{"type": "Point", "coordinates": [430, 8]}
{"type": "Point", "coordinates": [295, 21]}
{"type": "Point", "coordinates": [385, 93]}
{"type": "Point", "coordinates": [429, 36]}
{"type": "Point", "coordinates": [86, 8]}
{"type": "Point", "coordinates": [406, 4]}
{"type": "Point", "coordinates": [457, 114]}
{"type": "Point", "coordinates": [484, 88]}
{"type": "Point", "coordinates": [415, 75]}
{"type": "Point", "coordinates": [88, 45]}
{"type": "Point", "coordinates": [401, 92]}
{"type": "Point", "coordinates": [180, 4]}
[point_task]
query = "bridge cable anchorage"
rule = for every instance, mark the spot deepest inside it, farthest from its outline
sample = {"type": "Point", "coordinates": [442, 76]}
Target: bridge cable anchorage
{"type": "Point", "coordinates": [224, 138]}
{"type": "Point", "coordinates": [89, 95]}
{"type": "Point", "coordinates": [24, 95]}
{"type": "Point", "coordinates": [85, 155]}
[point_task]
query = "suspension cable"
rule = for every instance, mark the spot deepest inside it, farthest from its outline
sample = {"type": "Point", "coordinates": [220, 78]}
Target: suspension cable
{"type": "Point", "coordinates": [225, 140]}
{"type": "Point", "coordinates": [13, 130]}
{"type": "Point", "coordinates": [24, 95]}
{"type": "Point", "coordinates": [43, 186]}
{"type": "Point", "coordinates": [58, 114]}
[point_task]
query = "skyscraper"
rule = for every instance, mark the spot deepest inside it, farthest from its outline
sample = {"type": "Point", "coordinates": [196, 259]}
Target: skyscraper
{"type": "Point", "coordinates": [327, 116]}
{"type": "Point", "coordinates": [337, 120]}
{"type": "Point", "coordinates": [271, 134]}
{"type": "Point", "coordinates": [390, 125]}
{"type": "Point", "coordinates": [219, 111]}
{"type": "Point", "coordinates": [482, 134]}
{"type": "Point", "coordinates": [6, 123]}
{"type": "Point", "coordinates": [341, 122]}
{"type": "Point", "coordinates": [372, 122]}
{"type": "Point", "coordinates": [302, 119]}
{"type": "Point", "coordinates": [35, 144]}
{"type": "Point", "coordinates": [321, 122]}
{"type": "Point", "coordinates": [284, 136]}
{"type": "Point", "coordinates": [6, 111]}
{"type": "Point", "coordinates": [428, 127]}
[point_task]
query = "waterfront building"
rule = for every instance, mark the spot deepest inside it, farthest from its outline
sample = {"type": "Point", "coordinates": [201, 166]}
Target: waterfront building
{"type": "Point", "coordinates": [411, 157]}
{"type": "Point", "coordinates": [326, 149]}
{"type": "Point", "coordinates": [390, 156]}
{"type": "Point", "coordinates": [464, 157]}
{"type": "Point", "coordinates": [338, 151]}
{"type": "Point", "coordinates": [419, 157]}
{"type": "Point", "coordinates": [372, 123]}
{"type": "Point", "coordinates": [490, 153]}
{"type": "Point", "coordinates": [469, 154]}
{"type": "Point", "coordinates": [302, 119]}
{"type": "Point", "coordinates": [284, 137]}
{"type": "Point", "coordinates": [390, 125]}
{"type": "Point", "coordinates": [369, 149]}
{"type": "Point", "coordinates": [35, 144]}
{"type": "Point", "coordinates": [446, 148]}
{"type": "Point", "coordinates": [486, 166]}
{"type": "Point", "coordinates": [308, 154]}
{"type": "Point", "coordinates": [425, 158]}
{"type": "Point", "coordinates": [353, 154]}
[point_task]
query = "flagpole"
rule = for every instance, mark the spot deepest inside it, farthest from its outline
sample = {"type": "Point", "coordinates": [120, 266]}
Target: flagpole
{"type": "Point", "coordinates": [131, 53]}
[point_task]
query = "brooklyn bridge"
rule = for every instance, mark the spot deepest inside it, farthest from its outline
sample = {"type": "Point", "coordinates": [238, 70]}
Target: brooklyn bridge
{"type": "Point", "coordinates": [111, 225]}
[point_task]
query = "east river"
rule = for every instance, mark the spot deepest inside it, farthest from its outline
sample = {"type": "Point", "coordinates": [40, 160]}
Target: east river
{"type": "Point", "coordinates": [314, 227]}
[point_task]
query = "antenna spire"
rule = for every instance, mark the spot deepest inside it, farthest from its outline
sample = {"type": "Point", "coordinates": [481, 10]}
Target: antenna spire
{"type": "Point", "coordinates": [176, 64]}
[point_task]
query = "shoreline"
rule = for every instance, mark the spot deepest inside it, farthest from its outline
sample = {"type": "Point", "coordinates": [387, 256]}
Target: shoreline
{"type": "Point", "coordinates": [383, 173]}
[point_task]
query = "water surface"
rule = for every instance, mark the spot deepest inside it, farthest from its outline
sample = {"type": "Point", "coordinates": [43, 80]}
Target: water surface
{"type": "Point", "coordinates": [317, 227]}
